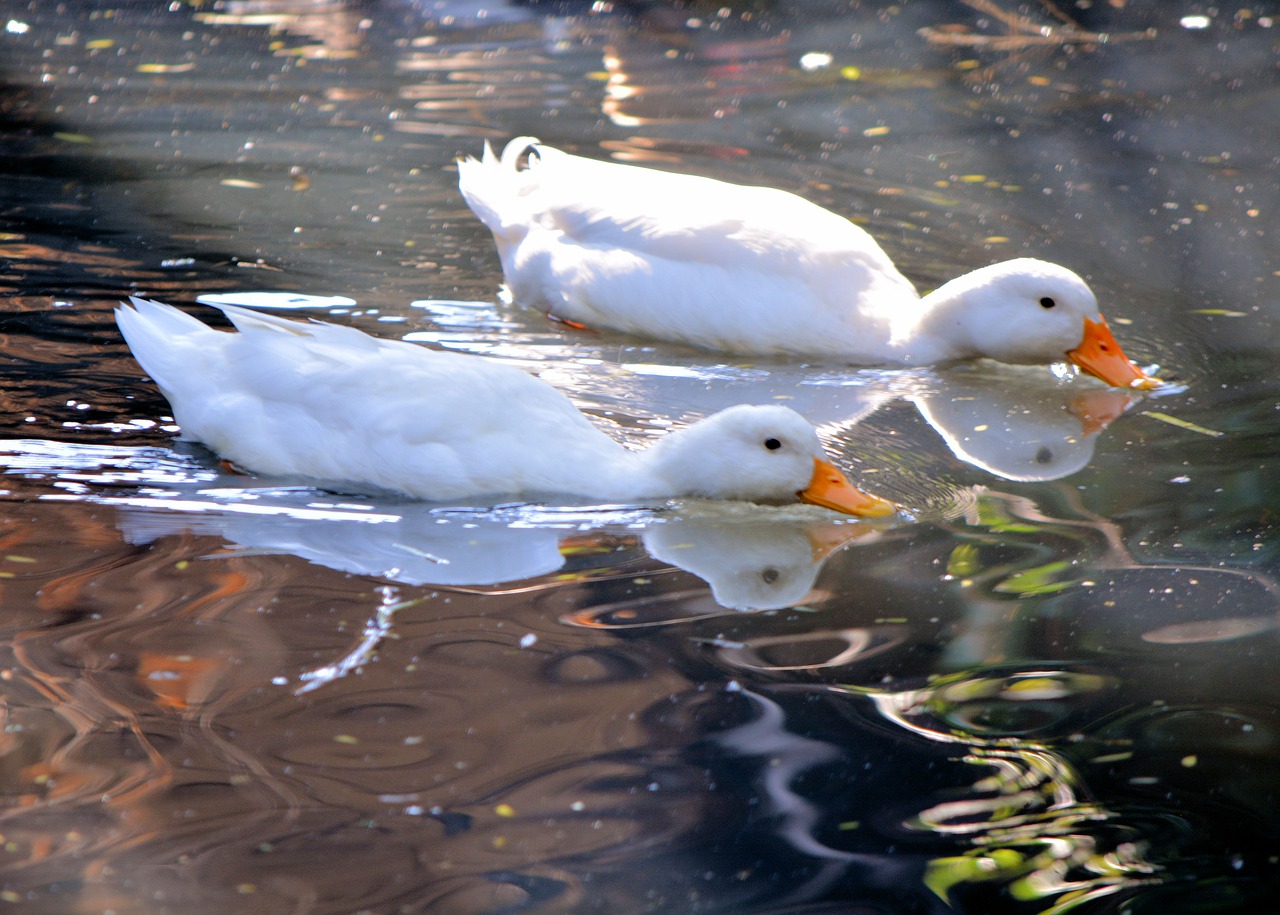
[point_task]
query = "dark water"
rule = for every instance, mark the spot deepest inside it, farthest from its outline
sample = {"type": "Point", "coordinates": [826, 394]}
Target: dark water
{"type": "Point", "coordinates": [1050, 687]}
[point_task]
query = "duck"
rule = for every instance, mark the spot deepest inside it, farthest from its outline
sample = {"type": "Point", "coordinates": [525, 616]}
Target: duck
{"type": "Point", "coordinates": [759, 270]}
{"type": "Point", "coordinates": [336, 406]}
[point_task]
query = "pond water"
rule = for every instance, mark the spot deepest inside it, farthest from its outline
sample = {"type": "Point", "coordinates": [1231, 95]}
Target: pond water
{"type": "Point", "coordinates": [1048, 686]}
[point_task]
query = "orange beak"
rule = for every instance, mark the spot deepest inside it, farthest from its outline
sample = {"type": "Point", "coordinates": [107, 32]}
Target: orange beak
{"type": "Point", "coordinates": [831, 489]}
{"type": "Point", "coordinates": [1099, 354]}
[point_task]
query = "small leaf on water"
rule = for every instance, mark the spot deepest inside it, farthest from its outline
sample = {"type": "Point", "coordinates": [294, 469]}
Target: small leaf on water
{"type": "Point", "coordinates": [1183, 424]}
{"type": "Point", "coordinates": [166, 68]}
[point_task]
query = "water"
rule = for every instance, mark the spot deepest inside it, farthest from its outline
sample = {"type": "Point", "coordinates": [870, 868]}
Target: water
{"type": "Point", "coordinates": [1048, 687]}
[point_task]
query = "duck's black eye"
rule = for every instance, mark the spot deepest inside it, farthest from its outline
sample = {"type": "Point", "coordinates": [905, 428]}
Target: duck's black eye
{"type": "Point", "coordinates": [769, 576]}
{"type": "Point", "coordinates": [1044, 456]}
{"type": "Point", "coordinates": [1047, 302]}
{"type": "Point", "coordinates": [772, 444]}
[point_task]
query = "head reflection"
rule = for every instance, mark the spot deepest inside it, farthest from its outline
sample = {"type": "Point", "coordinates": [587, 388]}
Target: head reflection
{"type": "Point", "coordinates": [1018, 425]}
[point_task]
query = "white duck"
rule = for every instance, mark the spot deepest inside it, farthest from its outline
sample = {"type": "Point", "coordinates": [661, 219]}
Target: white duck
{"type": "Point", "coordinates": [759, 270]}
{"type": "Point", "coordinates": [335, 405]}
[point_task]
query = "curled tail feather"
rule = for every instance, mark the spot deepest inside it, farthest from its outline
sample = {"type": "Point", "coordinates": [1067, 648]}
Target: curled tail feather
{"type": "Point", "coordinates": [494, 188]}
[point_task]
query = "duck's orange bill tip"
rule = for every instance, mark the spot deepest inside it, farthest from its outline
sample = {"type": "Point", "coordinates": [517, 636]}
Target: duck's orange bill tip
{"type": "Point", "coordinates": [831, 489]}
{"type": "Point", "coordinates": [1100, 355]}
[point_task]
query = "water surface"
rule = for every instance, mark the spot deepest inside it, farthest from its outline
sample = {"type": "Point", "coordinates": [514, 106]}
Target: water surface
{"type": "Point", "coordinates": [1048, 686]}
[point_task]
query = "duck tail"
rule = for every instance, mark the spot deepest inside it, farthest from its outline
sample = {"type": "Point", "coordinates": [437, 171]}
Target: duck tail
{"type": "Point", "coordinates": [516, 148]}
{"type": "Point", "coordinates": [494, 187]}
{"type": "Point", "coordinates": [166, 342]}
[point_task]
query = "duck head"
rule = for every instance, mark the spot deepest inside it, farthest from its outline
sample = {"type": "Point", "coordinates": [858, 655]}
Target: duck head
{"type": "Point", "coordinates": [1032, 311]}
{"type": "Point", "coordinates": [758, 453]}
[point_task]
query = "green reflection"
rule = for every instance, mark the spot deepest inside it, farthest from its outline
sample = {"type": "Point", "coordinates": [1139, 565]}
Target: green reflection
{"type": "Point", "coordinates": [1027, 817]}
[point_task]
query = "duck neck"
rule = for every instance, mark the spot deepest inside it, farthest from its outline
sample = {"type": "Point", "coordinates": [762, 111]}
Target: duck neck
{"type": "Point", "coordinates": [616, 474]}
{"type": "Point", "coordinates": [655, 472]}
{"type": "Point", "coordinates": [940, 330]}
{"type": "Point", "coordinates": [639, 475]}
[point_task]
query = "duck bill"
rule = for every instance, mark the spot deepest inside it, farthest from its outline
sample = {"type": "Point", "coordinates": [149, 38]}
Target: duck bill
{"type": "Point", "coordinates": [831, 489]}
{"type": "Point", "coordinates": [1100, 355]}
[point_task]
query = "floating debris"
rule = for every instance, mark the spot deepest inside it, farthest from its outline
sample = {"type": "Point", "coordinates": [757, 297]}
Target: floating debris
{"type": "Point", "coordinates": [166, 68]}
{"type": "Point", "coordinates": [1183, 424]}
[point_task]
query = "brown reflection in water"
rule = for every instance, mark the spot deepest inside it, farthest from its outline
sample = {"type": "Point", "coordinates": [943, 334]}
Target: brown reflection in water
{"type": "Point", "coordinates": [659, 82]}
{"type": "Point", "coordinates": [460, 91]}
{"type": "Point", "coordinates": [84, 255]}
{"type": "Point", "coordinates": [113, 662]}
{"type": "Point", "coordinates": [330, 29]}
{"type": "Point", "coordinates": [165, 753]}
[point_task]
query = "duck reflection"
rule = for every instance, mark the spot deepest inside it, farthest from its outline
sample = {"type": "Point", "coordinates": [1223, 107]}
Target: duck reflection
{"type": "Point", "coordinates": [753, 565]}
{"type": "Point", "coordinates": [752, 558]}
{"type": "Point", "coordinates": [1020, 425]}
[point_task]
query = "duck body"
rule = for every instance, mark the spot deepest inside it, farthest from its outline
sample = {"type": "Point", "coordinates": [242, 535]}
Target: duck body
{"type": "Point", "coordinates": [335, 405]}
{"type": "Point", "coordinates": [683, 258]}
{"type": "Point", "coordinates": [752, 270]}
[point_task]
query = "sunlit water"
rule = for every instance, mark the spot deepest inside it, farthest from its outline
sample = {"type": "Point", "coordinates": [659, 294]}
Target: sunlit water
{"type": "Point", "coordinates": [1049, 685]}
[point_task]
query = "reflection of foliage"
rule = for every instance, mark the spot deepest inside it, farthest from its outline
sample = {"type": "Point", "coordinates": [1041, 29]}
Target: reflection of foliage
{"type": "Point", "coordinates": [1062, 864]}
{"type": "Point", "coordinates": [1022, 579]}
{"type": "Point", "coordinates": [993, 513]}
{"type": "Point", "coordinates": [1039, 580]}
{"type": "Point", "coordinates": [1032, 832]}
{"type": "Point", "coordinates": [963, 561]}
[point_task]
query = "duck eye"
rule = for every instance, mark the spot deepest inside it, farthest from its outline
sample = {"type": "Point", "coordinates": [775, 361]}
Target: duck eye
{"type": "Point", "coordinates": [769, 576]}
{"type": "Point", "coordinates": [772, 444]}
{"type": "Point", "coordinates": [1047, 302]}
